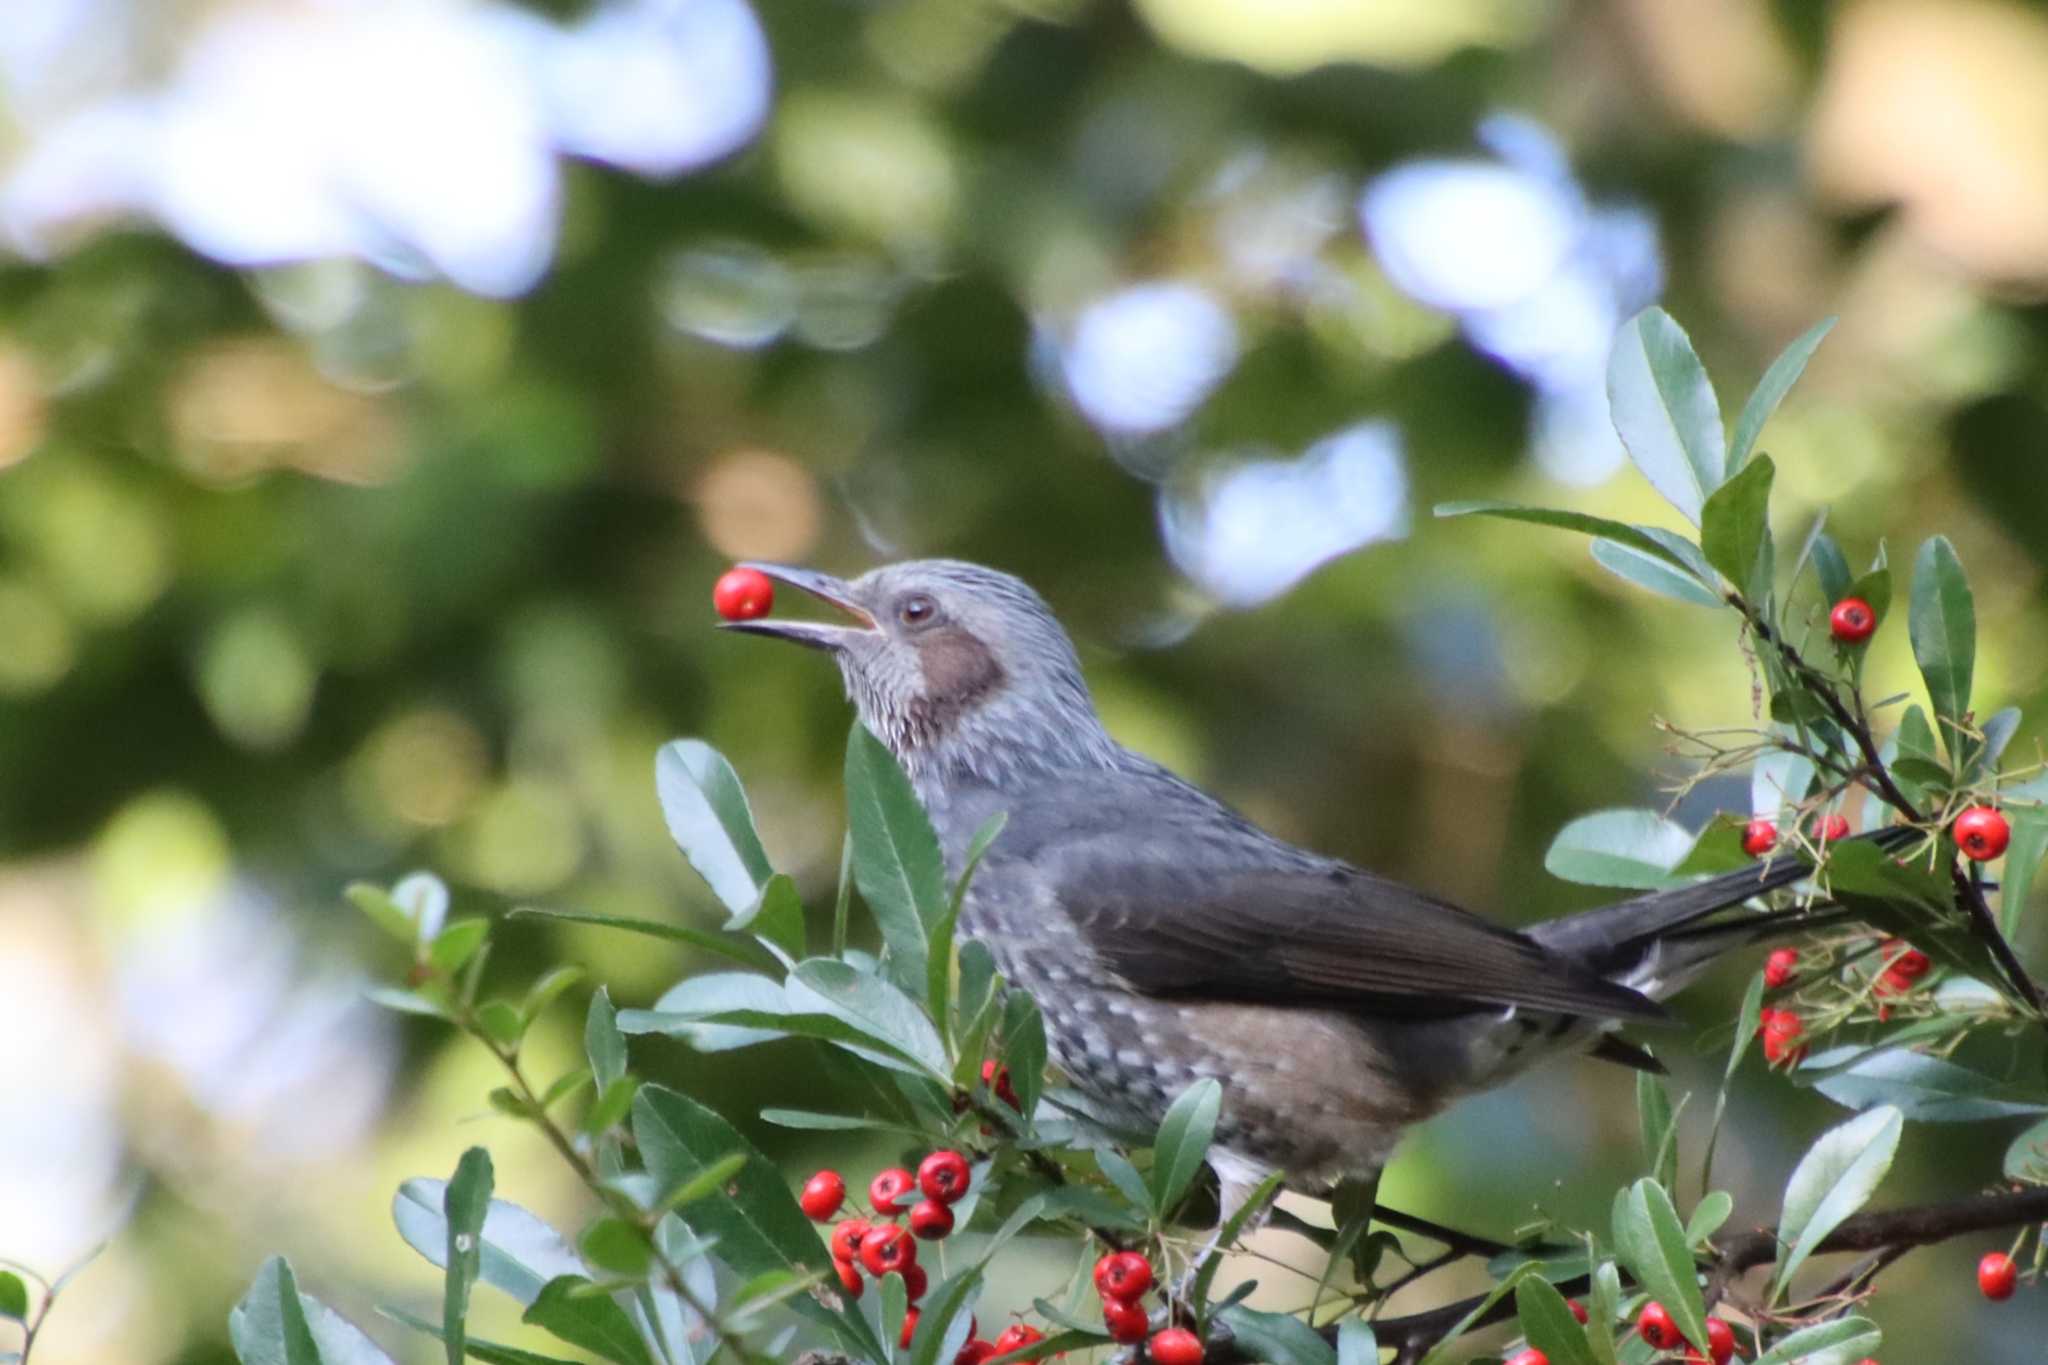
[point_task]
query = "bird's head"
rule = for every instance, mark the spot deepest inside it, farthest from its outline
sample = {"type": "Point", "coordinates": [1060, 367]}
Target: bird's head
{"type": "Point", "coordinates": [955, 667]}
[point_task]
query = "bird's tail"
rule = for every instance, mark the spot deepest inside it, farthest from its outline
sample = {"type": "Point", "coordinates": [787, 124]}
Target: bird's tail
{"type": "Point", "coordinates": [1657, 942]}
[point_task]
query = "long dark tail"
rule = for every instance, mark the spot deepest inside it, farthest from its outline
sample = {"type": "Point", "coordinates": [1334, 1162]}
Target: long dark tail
{"type": "Point", "coordinates": [1617, 941]}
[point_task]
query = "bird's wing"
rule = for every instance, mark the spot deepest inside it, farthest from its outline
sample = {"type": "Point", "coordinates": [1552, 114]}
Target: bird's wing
{"type": "Point", "coordinates": [1327, 937]}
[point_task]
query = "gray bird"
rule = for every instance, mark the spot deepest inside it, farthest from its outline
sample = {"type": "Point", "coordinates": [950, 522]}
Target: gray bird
{"type": "Point", "coordinates": [1166, 938]}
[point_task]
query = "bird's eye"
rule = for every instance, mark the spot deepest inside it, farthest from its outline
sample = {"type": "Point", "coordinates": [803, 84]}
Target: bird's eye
{"type": "Point", "coordinates": [917, 609]}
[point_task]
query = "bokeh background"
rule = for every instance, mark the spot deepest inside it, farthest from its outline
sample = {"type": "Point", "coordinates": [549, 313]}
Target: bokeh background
{"type": "Point", "coordinates": [382, 384]}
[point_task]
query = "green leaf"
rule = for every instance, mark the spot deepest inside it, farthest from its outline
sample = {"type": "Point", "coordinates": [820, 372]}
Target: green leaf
{"type": "Point", "coordinates": [1835, 1178]}
{"type": "Point", "coordinates": [457, 943]}
{"type": "Point", "coordinates": [1831, 567]}
{"type": "Point", "coordinates": [1356, 1344]}
{"type": "Point", "coordinates": [1125, 1177]}
{"type": "Point", "coordinates": [873, 1006]}
{"type": "Point", "coordinates": [2022, 863]}
{"type": "Point", "coordinates": [1735, 529]}
{"type": "Point", "coordinates": [1024, 1049]}
{"type": "Point", "coordinates": [1548, 1323]}
{"type": "Point", "coordinates": [943, 1324]}
{"type": "Point", "coordinates": [376, 904]}
{"type": "Point", "coordinates": [939, 954]}
{"type": "Point", "coordinates": [1771, 390]}
{"type": "Point", "coordinates": [1276, 1338]}
{"type": "Point", "coordinates": [733, 949]}
{"type": "Point", "coordinates": [1226, 1237]}
{"type": "Point", "coordinates": [1654, 573]}
{"type": "Point", "coordinates": [269, 1327]}
{"type": "Point", "coordinates": [2027, 1158]}
{"type": "Point", "coordinates": [565, 1085]}
{"type": "Point", "coordinates": [615, 1246]}
{"type": "Point", "coordinates": [1651, 1243]}
{"type": "Point", "coordinates": [701, 997]}
{"type": "Point", "coordinates": [1638, 538]}
{"type": "Point", "coordinates": [776, 917]}
{"type": "Point", "coordinates": [759, 1228]}
{"type": "Point", "coordinates": [1943, 625]}
{"type": "Point", "coordinates": [13, 1296]}
{"type": "Point", "coordinates": [705, 1183]}
{"type": "Point", "coordinates": [1184, 1137]}
{"type": "Point", "coordinates": [464, 1204]}
{"type": "Point", "coordinates": [501, 1020]}
{"type": "Point", "coordinates": [490, 1352]}
{"type": "Point", "coordinates": [518, 1253]}
{"type": "Point", "coordinates": [1830, 1343]}
{"type": "Point", "coordinates": [708, 816]}
{"type": "Point", "coordinates": [1665, 410]}
{"type": "Point", "coordinates": [1654, 1119]}
{"type": "Point", "coordinates": [812, 1120]}
{"type": "Point", "coordinates": [896, 860]}
{"type": "Point", "coordinates": [603, 1044]}
{"type": "Point", "coordinates": [1708, 1216]}
{"type": "Point", "coordinates": [1448, 1343]}
{"type": "Point", "coordinates": [746, 1026]}
{"type": "Point", "coordinates": [1875, 588]}
{"type": "Point", "coordinates": [1632, 848]}
{"type": "Point", "coordinates": [547, 990]}
{"type": "Point", "coordinates": [611, 1105]}
{"type": "Point", "coordinates": [592, 1321]}
{"type": "Point", "coordinates": [1923, 1088]}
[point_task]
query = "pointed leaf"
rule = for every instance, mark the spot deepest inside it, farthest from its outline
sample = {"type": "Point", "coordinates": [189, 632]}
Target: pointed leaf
{"type": "Point", "coordinates": [1548, 1323]}
{"type": "Point", "coordinates": [896, 860]}
{"type": "Point", "coordinates": [708, 816]}
{"type": "Point", "coordinates": [1665, 411]}
{"type": "Point", "coordinates": [1771, 390]}
{"type": "Point", "coordinates": [1831, 567]}
{"type": "Point", "coordinates": [1654, 1119]}
{"type": "Point", "coordinates": [1651, 1243]}
{"type": "Point", "coordinates": [1943, 624]}
{"type": "Point", "coordinates": [592, 1321]}
{"type": "Point", "coordinates": [1835, 1178]}
{"type": "Point", "coordinates": [490, 1352]}
{"type": "Point", "coordinates": [1631, 848]}
{"type": "Point", "coordinates": [603, 1044]}
{"type": "Point", "coordinates": [464, 1203]}
{"type": "Point", "coordinates": [1184, 1137]}
{"type": "Point", "coordinates": [1735, 529]}
{"type": "Point", "coordinates": [2022, 863]}
{"type": "Point", "coordinates": [759, 1226]}
{"type": "Point", "coordinates": [939, 966]}
{"type": "Point", "coordinates": [1656, 574]}
{"type": "Point", "coordinates": [878, 1009]}
{"type": "Point", "coordinates": [1707, 1216]}
{"type": "Point", "coordinates": [736, 950]}
{"type": "Point", "coordinates": [269, 1327]}
{"type": "Point", "coordinates": [1830, 1343]}
{"type": "Point", "coordinates": [518, 1253]}
{"type": "Point", "coordinates": [1276, 1338]}
{"type": "Point", "coordinates": [1923, 1088]}
{"type": "Point", "coordinates": [776, 916]}
{"type": "Point", "coordinates": [1637, 538]}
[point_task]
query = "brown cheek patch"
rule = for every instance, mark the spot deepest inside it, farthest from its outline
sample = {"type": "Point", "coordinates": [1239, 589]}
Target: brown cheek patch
{"type": "Point", "coordinates": [959, 671]}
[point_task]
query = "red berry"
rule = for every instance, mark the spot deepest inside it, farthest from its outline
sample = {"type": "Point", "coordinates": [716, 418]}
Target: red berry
{"type": "Point", "coordinates": [997, 1078]}
{"type": "Point", "coordinates": [822, 1196]}
{"type": "Point", "coordinates": [930, 1220]}
{"type": "Point", "coordinates": [1833, 828]}
{"type": "Point", "coordinates": [849, 1277]}
{"type": "Point", "coordinates": [1908, 962]}
{"type": "Point", "coordinates": [846, 1239]}
{"type": "Point", "coordinates": [743, 594]}
{"type": "Point", "coordinates": [909, 1328]}
{"type": "Point", "coordinates": [1123, 1275]}
{"type": "Point", "coordinates": [1528, 1355]}
{"type": "Point", "coordinates": [887, 1190]}
{"type": "Point", "coordinates": [1125, 1320]}
{"type": "Point", "coordinates": [1997, 1276]}
{"type": "Point", "coordinates": [1179, 1346]}
{"type": "Point", "coordinates": [1890, 982]}
{"type": "Point", "coordinates": [1982, 833]}
{"type": "Point", "coordinates": [886, 1248]}
{"type": "Point", "coordinates": [943, 1176]}
{"type": "Point", "coordinates": [1016, 1337]}
{"type": "Point", "coordinates": [1779, 967]}
{"type": "Point", "coordinates": [1852, 620]}
{"type": "Point", "coordinates": [1656, 1327]}
{"type": "Point", "coordinates": [915, 1282]}
{"type": "Point", "coordinates": [1781, 1040]}
{"type": "Point", "coordinates": [1578, 1310]}
{"type": "Point", "coordinates": [974, 1352]}
{"type": "Point", "coordinates": [1720, 1341]}
{"type": "Point", "coordinates": [1759, 837]}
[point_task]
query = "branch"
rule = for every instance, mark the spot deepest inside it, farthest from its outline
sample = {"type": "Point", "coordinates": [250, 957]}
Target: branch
{"type": "Point", "coordinates": [1893, 1231]}
{"type": "Point", "coordinates": [1969, 895]}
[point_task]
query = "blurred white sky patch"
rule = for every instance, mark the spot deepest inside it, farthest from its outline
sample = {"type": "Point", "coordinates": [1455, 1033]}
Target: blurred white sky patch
{"type": "Point", "coordinates": [1142, 359]}
{"type": "Point", "coordinates": [1538, 277]}
{"type": "Point", "coordinates": [424, 138]}
{"type": "Point", "coordinates": [1248, 532]}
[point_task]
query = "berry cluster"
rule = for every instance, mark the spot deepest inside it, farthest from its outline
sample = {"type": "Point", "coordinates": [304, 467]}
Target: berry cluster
{"type": "Point", "coordinates": [1121, 1278]}
{"type": "Point", "coordinates": [1781, 1031]}
{"type": "Point", "coordinates": [878, 1245]}
{"type": "Point", "coordinates": [1655, 1326]}
{"type": "Point", "coordinates": [1904, 965]}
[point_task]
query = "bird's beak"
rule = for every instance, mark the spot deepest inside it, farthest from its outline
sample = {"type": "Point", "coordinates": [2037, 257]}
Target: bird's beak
{"type": "Point", "coordinates": [817, 634]}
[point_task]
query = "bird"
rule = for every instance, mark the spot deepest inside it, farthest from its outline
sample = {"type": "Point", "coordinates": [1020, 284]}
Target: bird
{"type": "Point", "coordinates": [1167, 939]}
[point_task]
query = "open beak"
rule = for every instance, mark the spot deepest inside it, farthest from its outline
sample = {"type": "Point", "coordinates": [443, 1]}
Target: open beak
{"type": "Point", "coordinates": [834, 592]}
